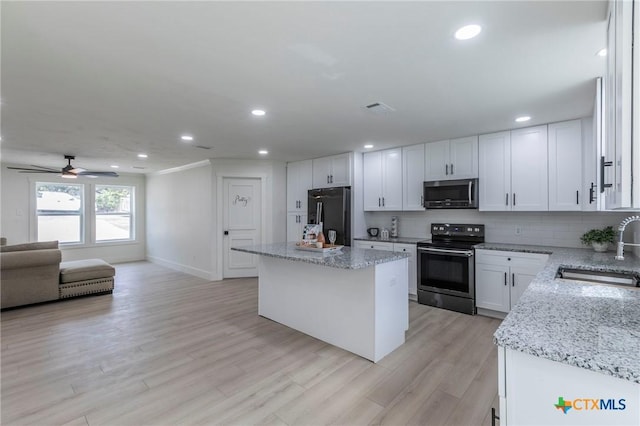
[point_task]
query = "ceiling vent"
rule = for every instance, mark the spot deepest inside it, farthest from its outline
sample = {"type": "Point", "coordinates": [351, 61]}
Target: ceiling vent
{"type": "Point", "coordinates": [379, 108]}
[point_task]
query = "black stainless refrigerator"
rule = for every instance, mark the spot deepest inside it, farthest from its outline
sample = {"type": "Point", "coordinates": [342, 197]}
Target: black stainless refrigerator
{"type": "Point", "coordinates": [332, 207]}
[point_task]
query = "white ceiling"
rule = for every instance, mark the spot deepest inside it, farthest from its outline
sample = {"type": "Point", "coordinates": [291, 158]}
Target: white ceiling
{"type": "Point", "coordinates": [105, 81]}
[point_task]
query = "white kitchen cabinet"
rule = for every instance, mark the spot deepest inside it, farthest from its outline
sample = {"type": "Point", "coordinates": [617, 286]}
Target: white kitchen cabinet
{"type": "Point", "coordinates": [382, 180]}
{"type": "Point", "coordinates": [332, 171]}
{"type": "Point", "coordinates": [299, 182]}
{"type": "Point", "coordinates": [412, 178]}
{"type": "Point", "coordinates": [397, 247]}
{"type": "Point", "coordinates": [565, 166]}
{"type": "Point", "coordinates": [413, 269]}
{"type": "Point", "coordinates": [451, 159]}
{"type": "Point", "coordinates": [295, 225]}
{"type": "Point", "coordinates": [502, 277]}
{"type": "Point", "coordinates": [513, 170]}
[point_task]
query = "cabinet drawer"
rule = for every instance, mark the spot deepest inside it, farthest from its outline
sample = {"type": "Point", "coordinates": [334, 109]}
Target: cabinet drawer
{"type": "Point", "coordinates": [511, 258]}
{"type": "Point", "coordinates": [374, 245]}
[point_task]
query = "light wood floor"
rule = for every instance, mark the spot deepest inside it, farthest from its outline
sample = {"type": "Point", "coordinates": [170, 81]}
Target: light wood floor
{"type": "Point", "coordinates": [168, 348]}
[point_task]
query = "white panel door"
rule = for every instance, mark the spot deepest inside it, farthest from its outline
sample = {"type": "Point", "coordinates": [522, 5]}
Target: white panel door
{"type": "Point", "coordinates": [492, 287]}
{"type": "Point", "coordinates": [241, 221]}
{"type": "Point", "coordinates": [392, 179]}
{"type": "Point", "coordinates": [436, 161]}
{"type": "Point", "coordinates": [529, 169]}
{"type": "Point", "coordinates": [412, 177]}
{"type": "Point", "coordinates": [321, 171]}
{"type": "Point", "coordinates": [372, 181]}
{"type": "Point", "coordinates": [463, 154]}
{"type": "Point", "coordinates": [494, 169]}
{"type": "Point", "coordinates": [340, 174]}
{"type": "Point", "coordinates": [295, 224]}
{"type": "Point", "coordinates": [299, 182]}
{"type": "Point", "coordinates": [565, 166]}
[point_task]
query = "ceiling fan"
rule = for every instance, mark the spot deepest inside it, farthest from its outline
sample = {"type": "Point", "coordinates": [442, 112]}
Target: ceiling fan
{"type": "Point", "coordinates": [67, 171]}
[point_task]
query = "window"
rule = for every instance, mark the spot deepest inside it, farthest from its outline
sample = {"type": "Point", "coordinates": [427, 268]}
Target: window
{"type": "Point", "coordinates": [59, 211]}
{"type": "Point", "coordinates": [61, 214]}
{"type": "Point", "coordinates": [113, 213]}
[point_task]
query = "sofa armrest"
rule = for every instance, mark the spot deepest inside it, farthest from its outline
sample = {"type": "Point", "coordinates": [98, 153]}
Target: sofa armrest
{"type": "Point", "coordinates": [21, 259]}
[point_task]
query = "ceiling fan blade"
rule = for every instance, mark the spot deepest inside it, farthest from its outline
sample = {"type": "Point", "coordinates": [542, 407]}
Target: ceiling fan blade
{"type": "Point", "coordinates": [27, 170]}
{"type": "Point", "coordinates": [45, 168]}
{"type": "Point", "coordinates": [97, 174]}
{"type": "Point", "coordinates": [77, 170]}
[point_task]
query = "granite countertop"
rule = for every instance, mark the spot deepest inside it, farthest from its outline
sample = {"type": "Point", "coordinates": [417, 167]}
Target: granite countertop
{"type": "Point", "coordinates": [347, 258]}
{"type": "Point", "coordinates": [400, 240]}
{"type": "Point", "coordinates": [595, 327]}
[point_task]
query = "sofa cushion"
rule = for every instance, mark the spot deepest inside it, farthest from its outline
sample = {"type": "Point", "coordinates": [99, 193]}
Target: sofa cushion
{"type": "Point", "coordinates": [18, 260]}
{"type": "Point", "coordinates": [81, 270]}
{"type": "Point", "coordinates": [30, 246]}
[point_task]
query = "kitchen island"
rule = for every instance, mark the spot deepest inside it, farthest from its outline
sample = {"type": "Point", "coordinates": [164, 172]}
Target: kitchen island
{"type": "Point", "coordinates": [567, 343]}
{"type": "Point", "coordinates": [355, 299]}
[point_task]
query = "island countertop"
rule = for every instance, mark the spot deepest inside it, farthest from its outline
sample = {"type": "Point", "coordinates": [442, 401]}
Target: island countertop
{"type": "Point", "coordinates": [595, 327]}
{"type": "Point", "coordinates": [346, 258]}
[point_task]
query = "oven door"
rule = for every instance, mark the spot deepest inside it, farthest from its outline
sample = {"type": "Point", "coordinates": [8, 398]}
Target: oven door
{"type": "Point", "coordinates": [446, 271]}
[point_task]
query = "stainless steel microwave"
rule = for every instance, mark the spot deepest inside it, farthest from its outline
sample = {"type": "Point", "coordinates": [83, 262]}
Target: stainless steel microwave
{"type": "Point", "coordinates": [451, 194]}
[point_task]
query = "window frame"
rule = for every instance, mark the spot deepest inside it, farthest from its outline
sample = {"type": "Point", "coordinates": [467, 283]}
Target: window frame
{"type": "Point", "coordinates": [81, 214]}
{"type": "Point", "coordinates": [132, 214]}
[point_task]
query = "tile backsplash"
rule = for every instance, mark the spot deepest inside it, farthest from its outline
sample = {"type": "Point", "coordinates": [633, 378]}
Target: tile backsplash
{"type": "Point", "coordinates": [558, 229]}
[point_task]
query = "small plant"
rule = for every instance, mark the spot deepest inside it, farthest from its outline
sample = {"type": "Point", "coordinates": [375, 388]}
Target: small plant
{"type": "Point", "coordinates": [600, 236]}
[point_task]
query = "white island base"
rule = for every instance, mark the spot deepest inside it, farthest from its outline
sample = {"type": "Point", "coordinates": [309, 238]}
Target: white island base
{"type": "Point", "coordinates": [364, 311]}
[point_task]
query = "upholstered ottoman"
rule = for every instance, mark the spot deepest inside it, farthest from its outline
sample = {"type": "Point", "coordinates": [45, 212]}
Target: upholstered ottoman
{"type": "Point", "coordinates": [90, 276]}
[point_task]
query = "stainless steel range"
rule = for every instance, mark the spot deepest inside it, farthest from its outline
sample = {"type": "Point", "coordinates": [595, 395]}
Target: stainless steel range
{"type": "Point", "coordinates": [446, 267]}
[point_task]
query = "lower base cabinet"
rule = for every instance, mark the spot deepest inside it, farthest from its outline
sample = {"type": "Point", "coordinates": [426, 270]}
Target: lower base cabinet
{"type": "Point", "coordinates": [397, 247]}
{"type": "Point", "coordinates": [295, 225]}
{"type": "Point", "coordinates": [502, 277]}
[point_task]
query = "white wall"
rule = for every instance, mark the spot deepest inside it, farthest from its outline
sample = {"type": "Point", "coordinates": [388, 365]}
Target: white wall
{"type": "Point", "coordinates": [179, 220]}
{"type": "Point", "coordinates": [17, 207]}
{"type": "Point", "coordinates": [558, 229]}
{"type": "Point", "coordinates": [182, 212]}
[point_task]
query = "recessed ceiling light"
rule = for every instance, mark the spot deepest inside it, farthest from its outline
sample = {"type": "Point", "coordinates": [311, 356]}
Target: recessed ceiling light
{"type": "Point", "coordinates": [368, 146]}
{"type": "Point", "coordinates": [522, 119]}
{"type": "Point", "coordinates": [186, 137]}
{"type": "Point", "coordinates": [263, 152]}
{"type": "Point", "coordinates": [468, 31]}
{"type": "Point", "coordinates": [115, 166]}
{"type": "Point", "coordinates": [142, 156]}
{"type": "Point", "coordinates": [258, 112]}
{"type": "Point", "coordinates": [602, 52]}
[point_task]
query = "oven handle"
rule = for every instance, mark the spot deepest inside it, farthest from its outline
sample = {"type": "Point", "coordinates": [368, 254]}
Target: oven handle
{"type": "Point", "coordinates": [470, 185]}
{"type": "Point", "coordinates": [465, 253]}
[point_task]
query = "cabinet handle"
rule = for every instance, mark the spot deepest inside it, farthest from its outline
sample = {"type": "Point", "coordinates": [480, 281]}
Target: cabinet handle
{"type": "Point", "coordinates": [604, 164]}
{"type": "Point", "coordinates": [446, 169]}
{"type": "Point", "coordinates": [514, 198]}
{"type": "Point", "coordinates": [452, 168]}
{"type": "Point", "coordinates": [331, 176]}
{"type": "Point", "coordinates": [505, 278]}
{"type": "Point", "coordinates": [506, 199]}
{"type": "Point", "coordinates": [382, 201]}
{"type": "Point", "coordinates": [379, 202]}
{"type": "Point", "coordinates": [592, 193]}
{"type": "Point", "coordinates": [328, 179]}
{"type": "Point", "coordinates": [513, 280]}
{"type": "Point", "coordinates": [577, 197]}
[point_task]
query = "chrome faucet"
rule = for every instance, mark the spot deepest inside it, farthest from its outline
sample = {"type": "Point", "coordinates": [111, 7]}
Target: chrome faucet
{"type": "Point", "coordinates": [621, 228]}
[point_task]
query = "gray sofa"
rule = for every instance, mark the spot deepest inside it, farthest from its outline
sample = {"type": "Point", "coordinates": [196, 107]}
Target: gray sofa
{"type": "Point", "coordinates": [33, 273]}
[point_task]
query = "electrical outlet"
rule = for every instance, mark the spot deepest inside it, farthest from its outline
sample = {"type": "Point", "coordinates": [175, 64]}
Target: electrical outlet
{"type": "Point", "coordinates": [518, 230]}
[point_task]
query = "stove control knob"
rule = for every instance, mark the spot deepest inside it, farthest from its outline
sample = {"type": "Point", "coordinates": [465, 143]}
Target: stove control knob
{"type": "Point", "coordinates": [477, 229]}
{"type": "Point", "coordinates": [469, 229]}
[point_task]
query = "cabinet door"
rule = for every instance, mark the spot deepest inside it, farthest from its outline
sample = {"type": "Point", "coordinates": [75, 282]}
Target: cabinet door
{"type": "Point", "coordinates": [520, 279]}
{"type": "Point", "coordinates": [299, 181]}
{"type": "Point", "coordinates": [392, 179]}
{"type": "Point", "coordinates": [463, 160]}
{"type": "Point", "coordinates": [295, 225]}
{"type": "Point", "coordinates": [529, 169]}
{"type": "Point", "coordinates": [372, 181]}
{"type": "Point", "coordinates": [492, 287]}
{"type": "Point", "coordinates": [292, 187]}
{"type": "Point", "coordinates": [412, 177]}
{"type": "Point", "coordinates": [565, 166]}
{"type": "Point", "coordinates": [340, 173]}
{"type": "Point", "coordinates": [413, 269]}
{"type": "Point", "coordinates": [305, 183]}
{"type": "Point", "coordinates": [494, 170]}
{"type": "Point", "coordinates": [436, 161]}
{"type": "Point", "coordinates": [321, 172]}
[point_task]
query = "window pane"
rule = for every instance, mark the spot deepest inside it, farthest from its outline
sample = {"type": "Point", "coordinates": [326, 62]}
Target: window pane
{"type": "Point", "coordinates": [59, 212]}
{"type": "Point", "coordinates": [113, 212]}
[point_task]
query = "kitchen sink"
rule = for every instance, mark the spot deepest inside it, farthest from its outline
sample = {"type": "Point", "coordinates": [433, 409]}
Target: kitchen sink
{"type": "Point", "coordinates": [617, 279]}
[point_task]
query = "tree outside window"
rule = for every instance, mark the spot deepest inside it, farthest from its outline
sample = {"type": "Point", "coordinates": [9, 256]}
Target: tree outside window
{"type": "Point", "coordinates": [113, 212]}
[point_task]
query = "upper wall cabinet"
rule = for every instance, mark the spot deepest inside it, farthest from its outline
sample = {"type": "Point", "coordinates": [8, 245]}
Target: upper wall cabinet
{"type": "Point", "coordinates": [382, 180]}
{"type": "Point", "coordinates": [412, 177]}
{"type": "Point", "coordinates": [565, 166]}
{"type": "Point", "coordinates": [451, 159]}
{"type": "Point", "coordinates": [332, 171]}
{"type": "Point", "coordinates": [513, 170]}
{"type": "Point", "coordinates": [298, 184]}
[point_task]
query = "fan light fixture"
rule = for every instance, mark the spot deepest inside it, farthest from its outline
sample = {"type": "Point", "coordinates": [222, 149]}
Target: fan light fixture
{"type": "Point", "coordinates": [468, 32]}
{"type": "Point", "coordinates": [258, 112]}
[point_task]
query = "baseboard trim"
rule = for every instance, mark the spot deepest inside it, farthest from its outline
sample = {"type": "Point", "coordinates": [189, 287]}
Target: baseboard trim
{"type": "Point", "coordinates": [200, 273]}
